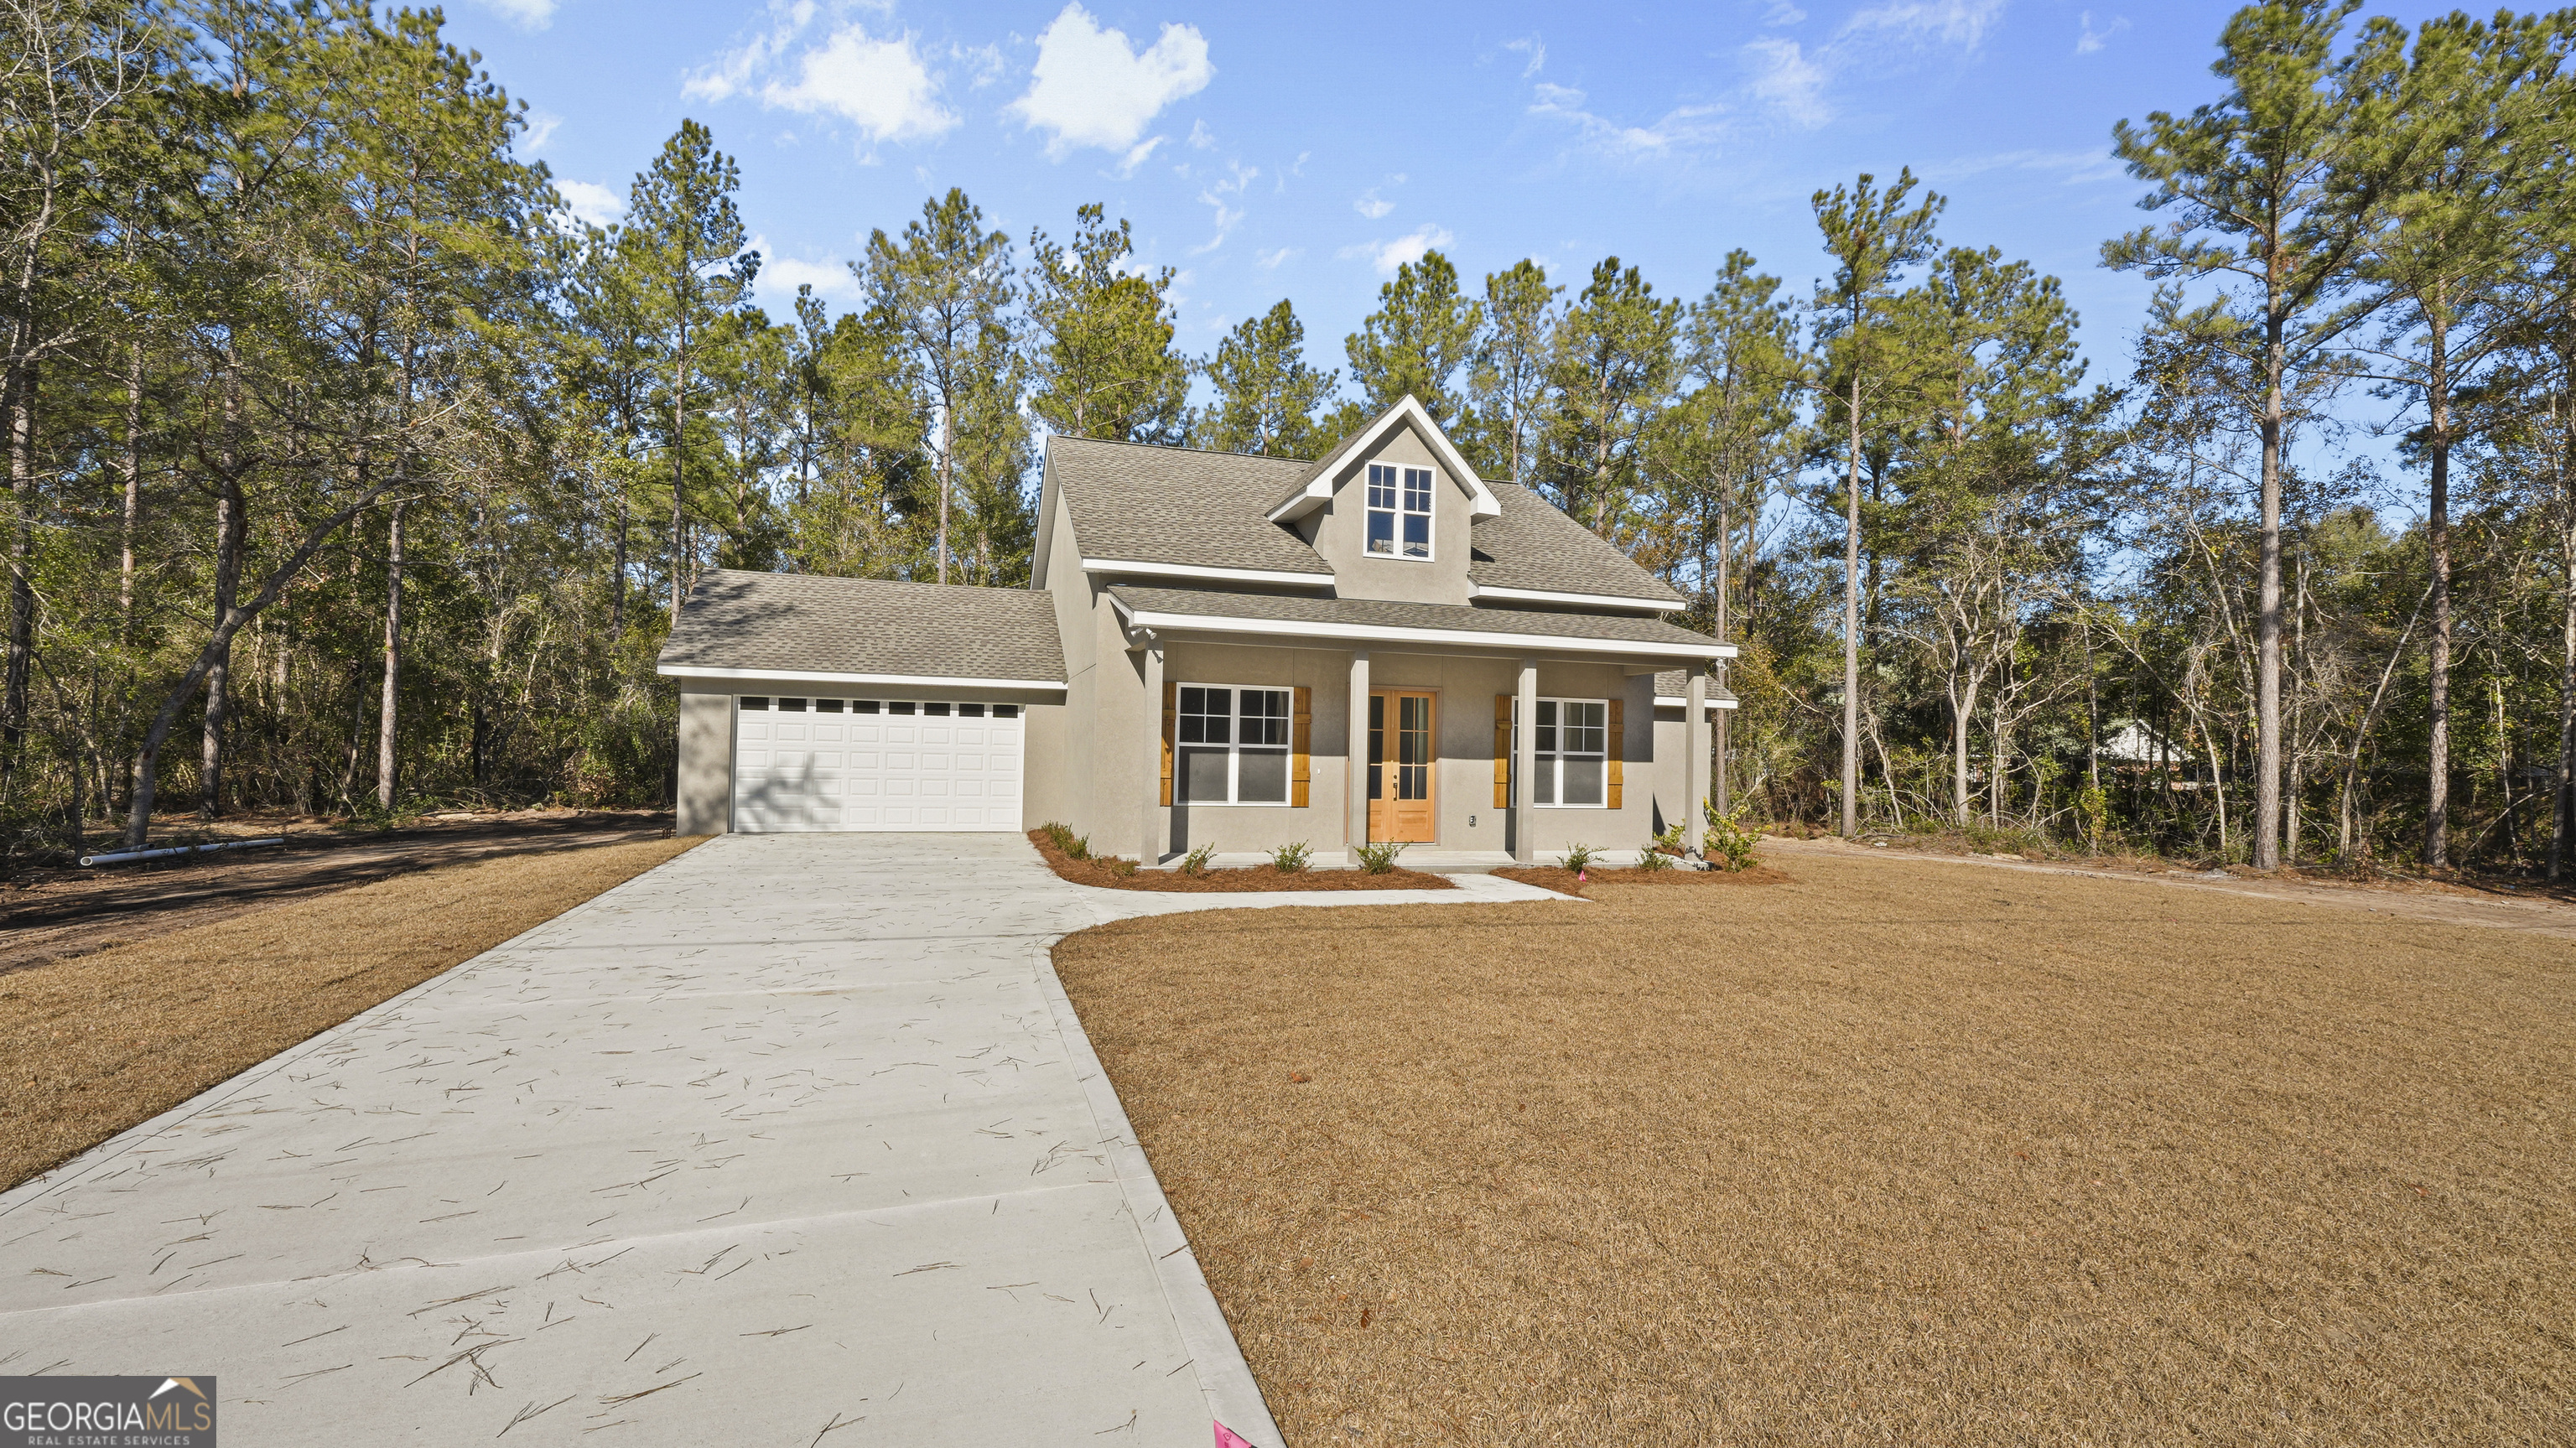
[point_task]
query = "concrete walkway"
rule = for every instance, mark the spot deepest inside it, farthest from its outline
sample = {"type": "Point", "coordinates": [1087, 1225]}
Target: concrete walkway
{"type": "Point", "coordinates": [793, 1140]}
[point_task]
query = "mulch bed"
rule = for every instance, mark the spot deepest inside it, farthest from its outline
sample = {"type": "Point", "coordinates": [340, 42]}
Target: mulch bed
{"type": "Point", "coordinates": [1259, 877]}
{"type": "Point", "coordinates": [1562, 881]}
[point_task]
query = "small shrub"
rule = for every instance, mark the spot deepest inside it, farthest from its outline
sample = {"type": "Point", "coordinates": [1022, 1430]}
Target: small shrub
{"type": "Point", "coordinates": [1729, 843]}
{"type": "Point", "coordinates": [1670, 842]}
{"type": "Point", "coordinates": [1060, 835]}
{"type": "Point", "coordinates": [1379, 858]}
{"type": "Point", "coordinates": [1580, 858]}
{"type": "Point", "coordinates": [1118, 866]}
{"type": "Point", "coordinates": [1196, 861]}
{"type": "Point", "coordinates": [1291, 859]}
{"type": "Point", "coordinates": [1654, 858]}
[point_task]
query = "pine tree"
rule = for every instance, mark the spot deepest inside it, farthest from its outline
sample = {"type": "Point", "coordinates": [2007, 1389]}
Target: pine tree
{"type": "Point", "coordinates": [1102, 356]}
{"type": "Point", "coordinates": [1266, 394]}
{"type": "Point", "coordinates": [1422, 333]}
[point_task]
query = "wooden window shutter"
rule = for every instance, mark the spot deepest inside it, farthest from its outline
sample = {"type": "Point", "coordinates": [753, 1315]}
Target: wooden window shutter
{"type": "Point", "coordinates": [1502, 751]}
{"type": "Point", "coordinates": [1301, 746]}
{"type": "Point", "coordinates": [1618, 751]}
{"type": "Point", "coordinates": [1171, 723]}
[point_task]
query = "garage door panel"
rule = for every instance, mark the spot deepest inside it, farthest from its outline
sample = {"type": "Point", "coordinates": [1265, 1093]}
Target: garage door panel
{"type": "Point", "coordinates": [882, 767]}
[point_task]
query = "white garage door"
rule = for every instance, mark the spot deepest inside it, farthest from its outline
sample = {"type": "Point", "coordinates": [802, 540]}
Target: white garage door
{"type": "Point", "coordinates": [875, 764]}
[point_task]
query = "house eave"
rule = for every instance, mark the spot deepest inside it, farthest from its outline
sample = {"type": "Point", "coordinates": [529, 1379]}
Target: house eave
{"type": "Point", "coordinates": [815, 676]}
{"type": "Point", "coordinates": [1451, 640]}
{"type": "Point", "coordinates": [1578, 600]}
{"type": "Point", "coordinates": [1141, 569]}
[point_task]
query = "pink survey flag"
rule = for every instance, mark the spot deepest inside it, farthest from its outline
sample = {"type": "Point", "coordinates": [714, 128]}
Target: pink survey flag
{"type": "Point", "coordinates": [1228, 1438]}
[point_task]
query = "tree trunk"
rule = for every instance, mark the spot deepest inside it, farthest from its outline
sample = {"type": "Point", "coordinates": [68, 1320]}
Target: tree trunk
{"type": "Point", "coordinates": [2267, 625]}
{"type": "Point", "coordinates": [679, 460]}
{"type": "Point", "coordinates": [2563, 817]}
{"type": "Point", "coordinates": [1717, 732]}
{"type": "Point", "coordinates": [1851, 617]}
{"type": "Point", "coordinates": [947, 457]}
{"type": "Point", "coordinates": [390, 714]}
{"type": "Point", "coordinates": [21, 394]}
{"type": "Point", "coordinates": [2437, 539]}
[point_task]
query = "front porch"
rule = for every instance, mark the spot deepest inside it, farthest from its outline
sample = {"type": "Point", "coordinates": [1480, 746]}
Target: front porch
{"type": "Point", "coordinates": [1430, 859]}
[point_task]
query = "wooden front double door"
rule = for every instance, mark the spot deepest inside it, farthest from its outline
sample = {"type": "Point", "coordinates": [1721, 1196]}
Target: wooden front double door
{"type": "Point", "coordinates": [1402, 750]}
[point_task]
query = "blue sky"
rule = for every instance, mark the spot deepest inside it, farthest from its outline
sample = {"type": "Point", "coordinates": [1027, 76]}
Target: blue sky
{"type": "Point", "coordinates": [1303, 151]}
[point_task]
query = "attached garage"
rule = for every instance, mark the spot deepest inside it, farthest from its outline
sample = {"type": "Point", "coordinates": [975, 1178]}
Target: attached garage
{"type": "Point", "coordinates": [811, 704]}
{"type": "Point", "coordinates": [875, 764]}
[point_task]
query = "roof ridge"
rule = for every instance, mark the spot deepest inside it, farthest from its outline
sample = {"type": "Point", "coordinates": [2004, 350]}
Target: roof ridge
{"type": "Point", "coordinates": [862, 578]}
{"type": "Point", "coordinates": [1212, 452]}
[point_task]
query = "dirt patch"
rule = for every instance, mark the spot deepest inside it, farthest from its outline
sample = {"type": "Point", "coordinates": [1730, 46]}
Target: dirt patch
{"type": "Point", "coordinates": [1102, 873]}
{"type": "Point", "coordinates": [1893, 1152]}
{"type": "Point", "coordinates": [1562, 881]}
{"type": "Point", "coordinates": [63, 913]}
{"type": "Point", "coordinates": [96, 1044]}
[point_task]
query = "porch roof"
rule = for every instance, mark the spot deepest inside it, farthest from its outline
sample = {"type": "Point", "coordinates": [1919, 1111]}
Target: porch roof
{"type": "Point", "coordinates": [1367, 620]}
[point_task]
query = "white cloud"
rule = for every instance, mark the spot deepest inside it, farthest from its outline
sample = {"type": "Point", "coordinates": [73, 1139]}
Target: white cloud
{"type": "Point", "coordinates": [1405, 250]}
{"type": "Point", "coordinates": [1782, 82]}
{"type": "Point", "coordinates": [1201, 138]}
{"type": "Point", "coordinates": [1958, 22]}
{"type": "Point", "coordinates": [2072, 167]}
{"type": "Point", "coordinates": [541, 127]}
{"type": "Point", "coordinates": [525, 14]}
{"type": "Point", "coordinates": [1091, 87]}
{"type": "Point", "coordinates": [590, 202]}
{"type": "Point", "coordinates": [985, 63]}
{"type": "Point", "coordinates": [2091, 39]}
{"type": "Point", "coordinates": [780, 276]}
{"type": "Point", "coordinates": [1786, 80]}
{"type": "Point", "coordinates": [1372, 206]}
{"type": "Point", "coordinates": [1228, 212]}
{"type": "Point", "coordinates": [1534, 48]}
{"type": "Point", "coordinates": [1137, 156]}
{"type": "Point", "coordinates": [882, 87]}
{"type": "Point", "coordinates": [1270, 260]}
{"type": "Point", "coordinates": [1683, 125]}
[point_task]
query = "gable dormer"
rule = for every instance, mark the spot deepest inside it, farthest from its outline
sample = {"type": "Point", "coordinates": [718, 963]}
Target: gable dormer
{"type": "Point", "coordinates": [1391, 511]}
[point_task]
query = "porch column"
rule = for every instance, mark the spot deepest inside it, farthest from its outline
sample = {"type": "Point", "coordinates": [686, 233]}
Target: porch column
{"type": "Point", "coordinates": [1695, 753]}
{"type": "Point", "coordinates": [1155, 827]}
{"type": "Point", "coordinates": [1524, 762]}
{"type": "Point", "coordinates": [1355, 827]}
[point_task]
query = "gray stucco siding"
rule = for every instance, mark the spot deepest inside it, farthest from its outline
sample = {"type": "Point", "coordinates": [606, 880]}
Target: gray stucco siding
{"type": "Point", "coordinates": [705, 803]}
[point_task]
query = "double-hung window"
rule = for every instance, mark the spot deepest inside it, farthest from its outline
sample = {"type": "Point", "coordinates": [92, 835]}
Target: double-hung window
{"type": "Point", "coordinates": [1233, 746]}
{"type": "Point", "coordinates": [1573, 747]}
{"type": "Point", "coordinates": [1399, 511]}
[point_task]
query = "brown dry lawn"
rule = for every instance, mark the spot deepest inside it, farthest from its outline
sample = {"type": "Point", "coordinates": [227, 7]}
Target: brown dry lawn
{"type": "Point", "coordinates": [102, 1042]}
{"type": "Point", "coordinates": [1892, 1153]}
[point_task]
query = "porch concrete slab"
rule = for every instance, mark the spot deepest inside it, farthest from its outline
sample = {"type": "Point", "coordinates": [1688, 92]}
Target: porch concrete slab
{"type": "Point", "coordinates": [792, 1132]}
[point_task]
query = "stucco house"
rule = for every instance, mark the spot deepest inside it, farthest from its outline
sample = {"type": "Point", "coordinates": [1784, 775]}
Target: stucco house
{"type": "Point", "coordinates": [1205, 637]}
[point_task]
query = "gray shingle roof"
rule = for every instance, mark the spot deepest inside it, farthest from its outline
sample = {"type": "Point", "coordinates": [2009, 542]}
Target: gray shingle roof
{"type": "Point", "coordinates": [1532, 545]}
{"type": "Point", "coordinates": [1386, 614]}
{"type": "Point", "coordinates": [801, 623]}
{"type": "Point", "coordinates": [1145, 504]}
{"type": "Point", "coordinates": [1674, 684]}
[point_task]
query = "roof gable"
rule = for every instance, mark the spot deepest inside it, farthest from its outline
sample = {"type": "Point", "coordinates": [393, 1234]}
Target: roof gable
{"type": "Point", "coordinates": [1315, 487]}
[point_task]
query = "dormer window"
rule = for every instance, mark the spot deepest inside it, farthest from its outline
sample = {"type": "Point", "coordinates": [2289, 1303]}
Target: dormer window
{"type": "Point", "coordinates": [1399, 507]}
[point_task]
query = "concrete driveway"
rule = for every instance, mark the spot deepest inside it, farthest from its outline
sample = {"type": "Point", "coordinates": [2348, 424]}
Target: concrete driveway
{"type": "Point", "coordinates": [793, 1140]}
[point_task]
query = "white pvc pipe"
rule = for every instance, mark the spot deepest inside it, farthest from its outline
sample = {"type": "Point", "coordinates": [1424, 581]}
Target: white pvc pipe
{"type": "Point", "coordinates": [119, 859]}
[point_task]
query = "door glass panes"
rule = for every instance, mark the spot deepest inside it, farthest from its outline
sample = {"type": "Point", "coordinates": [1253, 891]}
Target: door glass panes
{"type": "Point", "coordinates": [1377, 745]}
{"type": "Point", "coordinates": [1413, 747]}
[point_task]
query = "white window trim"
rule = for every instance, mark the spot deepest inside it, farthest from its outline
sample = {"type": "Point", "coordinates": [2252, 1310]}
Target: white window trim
{"type": "Point", "coordinates": [1234, 748]}
{"type": "Point", "coordinates": [1430, 515]}
{"type": "Point", "coordinates": [1556, 760]}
